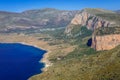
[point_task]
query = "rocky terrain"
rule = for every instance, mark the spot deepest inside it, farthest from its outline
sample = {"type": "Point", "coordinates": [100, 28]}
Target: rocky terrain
{"type": "Point", "coordinates": [106, 42]}
{"type": "Point", "coordinates": [34, 19]}
{"type": "Point", "coordinates": [88, 49]}
{"type": "Point", "coordinates": [91, 19]}
{"type": "Point", "coordinates": [38, 19]}
{"type": "Point", "coordinates": [86, 63]}
{"type": "Point", "coordinates": [106, 38]}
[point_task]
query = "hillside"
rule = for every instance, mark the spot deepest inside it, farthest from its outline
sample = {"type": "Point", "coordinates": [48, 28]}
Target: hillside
{"type": "Point", "coordinates": [104, 24]}
{"type": "Point", "coordinates": [106, 31]}
{"type": "Point", "coordinates": [87, 48]}
{"type": "Point", "coordinates": [34, 19]}
{"type": "Point", "coordinates": [104, 14]}
{"type": "Point", "coordinates": [93, 19]}
{"type": "Point", "coordinates": [84, 63]}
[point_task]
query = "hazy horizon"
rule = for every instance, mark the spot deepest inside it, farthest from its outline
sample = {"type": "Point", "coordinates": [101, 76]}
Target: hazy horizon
{"type": "Point", "coordinates": [22, 5]}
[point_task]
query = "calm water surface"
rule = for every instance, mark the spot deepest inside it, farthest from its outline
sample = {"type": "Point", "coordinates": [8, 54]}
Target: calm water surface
{"type": "Point", "coordinates": [19, 62]}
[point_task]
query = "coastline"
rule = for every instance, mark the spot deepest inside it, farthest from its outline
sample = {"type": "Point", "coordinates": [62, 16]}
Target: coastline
{"type": "Point", "coordinates": [33, 40]}
{"type": "Point", "coordinates": [45, 56]}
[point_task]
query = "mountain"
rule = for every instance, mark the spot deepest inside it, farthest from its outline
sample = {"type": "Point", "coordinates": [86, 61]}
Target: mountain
{"type": "Point", "coordinates": [101, 21]}
{"type": "Point", "coordinates": [90, 28]}
{"type": "Point", "coordinates": [35, 19]}
{"type": "Point", "coordinates": [117, 11]}
{"type": "Point", "coordinates": [94, 18]}
{"type": "Point", "coordinates": [106, 38]}
{"type": "Point", "coordinates": [88, 48]}
{"type": "Point", "coordinates": [91, 18]}
{"type": "Point", "coordinates": [100, 66]}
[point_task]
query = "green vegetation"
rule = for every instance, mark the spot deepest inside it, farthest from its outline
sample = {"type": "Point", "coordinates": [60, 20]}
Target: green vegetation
{"type": "Point", "coordinates": [76, 30]}
{"type": "Point", "coordinates": [80, 31]}
{"type": "Point", "coordinates": [110, 17]}
{"type": "Point", "coordinates": [58, 33]}
{"type": "Point", "coordinates": [104, 14]}
{"type": "Point", "coordinates": [100, 66]}
{"type": "Point", "coordinates": [84, 63]}
{"type": "Point", "coordinates": [79, 40]}
{"type": "Point", "coordinates": [107, 31]}
{"type": "Point", "coordinates": [98, 11]}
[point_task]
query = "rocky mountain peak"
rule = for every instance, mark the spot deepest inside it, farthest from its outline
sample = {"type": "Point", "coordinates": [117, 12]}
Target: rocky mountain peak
{"type": "Point", "coordinates": [103, 21]}
{"type": "Point", "coordinates": [91, 21]}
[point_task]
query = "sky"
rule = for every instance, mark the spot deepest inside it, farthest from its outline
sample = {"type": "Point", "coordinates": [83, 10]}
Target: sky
{"type": "Point", "coordinates": [22, 5]}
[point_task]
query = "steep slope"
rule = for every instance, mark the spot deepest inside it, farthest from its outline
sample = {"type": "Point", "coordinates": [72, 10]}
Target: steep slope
{"type": "Point", "coordinates": [93, 19]}
{"type": "Point", "coordinates": [103, 23]}
{"type": "Point", "coordinates": [35, 19]}
{"type": "Point", "coordinates": [106, 38]}
{"type": "Point", "coordinates": [101, 66]}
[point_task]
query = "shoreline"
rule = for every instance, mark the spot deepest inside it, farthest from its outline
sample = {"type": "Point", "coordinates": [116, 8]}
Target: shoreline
{"type": "Point", "coordinates": [33, 40]}
{"type": "Point", "coordinates": [45, 55]}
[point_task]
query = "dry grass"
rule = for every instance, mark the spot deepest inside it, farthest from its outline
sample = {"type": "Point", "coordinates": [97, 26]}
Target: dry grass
{"type": "Point", "coordinates": [101, 66]}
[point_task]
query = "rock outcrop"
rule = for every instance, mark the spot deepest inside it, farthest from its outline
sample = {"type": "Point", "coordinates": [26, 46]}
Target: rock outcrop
{"type": "Point", "coordinates": [105, 42]}
{"type": "Point", "coordinates": [107, 36]}
{"type": "Point", "coordinates": [91, 21]}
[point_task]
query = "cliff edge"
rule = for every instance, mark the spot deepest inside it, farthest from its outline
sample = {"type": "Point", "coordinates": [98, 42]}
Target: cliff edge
{"type": "Point", "coordinates": [106, 31]}
{"type": "Point", "coordinates": [106, 38]}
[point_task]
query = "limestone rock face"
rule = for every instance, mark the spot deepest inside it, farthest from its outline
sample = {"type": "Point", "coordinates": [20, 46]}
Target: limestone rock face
{"type": "Point", "coordinates": [80, 18]}
{"type": "Point", "coordinates": [94, 22]}
{"type": "Point", "coordinates": [105, 42]}
{"type": "Point", "coordinates": [89, 20]}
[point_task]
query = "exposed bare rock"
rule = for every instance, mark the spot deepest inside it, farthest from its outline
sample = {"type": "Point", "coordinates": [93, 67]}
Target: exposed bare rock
{"type": "Point", "coordinates": [91, 21]}
{"type": "Point", "coordinates": [105, 42]}
{"type": "Point", "coordinates": [80, 19]}
{"type": "Point", "coordinates": [108, 30]}
{"type": "Point", "coordinates": [106, 38]}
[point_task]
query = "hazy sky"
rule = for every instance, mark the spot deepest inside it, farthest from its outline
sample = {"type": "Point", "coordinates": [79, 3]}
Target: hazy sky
{"type": "Point", "coordinates": [21, 5]}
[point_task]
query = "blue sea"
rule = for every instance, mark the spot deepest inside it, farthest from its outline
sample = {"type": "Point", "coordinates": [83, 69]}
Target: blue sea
{"type": "Point", "coordinates": [19, 62]}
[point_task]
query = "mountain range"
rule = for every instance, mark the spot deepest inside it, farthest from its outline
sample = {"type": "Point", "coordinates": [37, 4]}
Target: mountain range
{"type": "Point", "coordinates": [45, 18]}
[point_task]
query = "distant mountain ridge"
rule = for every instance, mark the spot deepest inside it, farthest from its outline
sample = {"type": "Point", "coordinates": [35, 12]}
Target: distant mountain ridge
{"type": "Point", "coordinates": [35, 19]}
{"type": "Point", "coordinates": [117, 11]}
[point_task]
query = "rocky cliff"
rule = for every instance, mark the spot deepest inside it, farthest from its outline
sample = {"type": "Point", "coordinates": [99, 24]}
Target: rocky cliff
{"type": "Point", "coordinates": [106, 42]}
{"type": "Point", "coordinates": [88, 19]}
{"type": "Point", "coordinates": [106, 38]}
{"type": "Point", "coordinates": [106, 33]}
